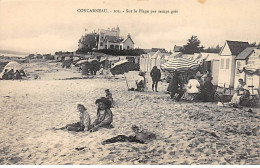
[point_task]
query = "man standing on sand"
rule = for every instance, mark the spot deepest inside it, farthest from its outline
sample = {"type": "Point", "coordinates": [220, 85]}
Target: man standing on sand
{"type": "Point", "coordinates": [156, 76]}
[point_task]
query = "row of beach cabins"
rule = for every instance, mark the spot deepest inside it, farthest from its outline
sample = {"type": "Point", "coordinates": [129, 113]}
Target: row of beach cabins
{"type": "Point", "coordinates": [235, 60]}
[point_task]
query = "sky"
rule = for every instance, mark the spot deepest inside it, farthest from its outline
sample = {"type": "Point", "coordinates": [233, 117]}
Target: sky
{"type": "Point", "coordinates": [46, 26]}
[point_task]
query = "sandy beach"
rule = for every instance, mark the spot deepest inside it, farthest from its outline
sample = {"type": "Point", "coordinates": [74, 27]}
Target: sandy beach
{"type": "Point", "coordinates": [202, 133]}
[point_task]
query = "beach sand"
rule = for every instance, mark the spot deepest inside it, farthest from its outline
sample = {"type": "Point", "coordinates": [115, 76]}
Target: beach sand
{"type": "Point", "coordinates": [202, 133]}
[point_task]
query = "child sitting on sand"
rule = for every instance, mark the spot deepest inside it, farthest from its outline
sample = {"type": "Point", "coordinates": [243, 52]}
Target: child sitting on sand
{"type": "Point", "coordinates": [84, 120]}
{"type": "Point", "coordinates": [104, 115]}
{"type": "Point", "coordinates": [109, 97]}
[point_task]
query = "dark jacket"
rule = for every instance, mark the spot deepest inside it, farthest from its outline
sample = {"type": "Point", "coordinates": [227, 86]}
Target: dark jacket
{"type": "Point", "coordinates": [155, 74]}
{"type": "Point", "coordinates": [175, 84]}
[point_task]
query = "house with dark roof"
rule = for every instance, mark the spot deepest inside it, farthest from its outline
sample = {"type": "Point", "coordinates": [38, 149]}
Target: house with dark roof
{"type": "Point", "coordinates": [162, 50]}
{"type": "Point", "coordinates": [177, 48]}
{"type": "Point", "coordinates": [227, 64]}
{"type": "Point", "coordinates": [112, 42]}
{"type": "Point", "coordinates": [249, 56]}
{"type": "Point", "coordinates": [127, 43]}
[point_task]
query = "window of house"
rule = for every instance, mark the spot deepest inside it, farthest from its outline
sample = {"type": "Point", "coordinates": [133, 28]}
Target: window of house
{"type": "Point", "coordinates": [238, 66]}
{"type": "Point", "coordinates": [111, 46]}
{"type": "Point", "coordinates": [105, 46]}
{"type": "Point", "coordinates": [251, 62]}
{"type": "Point", "coordinates": [117, 46]}
{"type": "Point", "coordinates": [227, 63]}
{"type": "Point", "coordinates": [128, 47]}
{"type": "Point", "coordinates": [101, 44]}
{"type": "Point", "coordinates": [222, 64]}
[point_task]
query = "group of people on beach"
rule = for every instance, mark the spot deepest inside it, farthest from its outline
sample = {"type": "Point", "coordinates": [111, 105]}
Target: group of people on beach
{"type": "Point", "coordinates": [104, 116]}
{"type": "Point", "coordinates": [11, 75]}
{"type": "Point", "coordinates": [141, 80]}
{"type": "Point", "coordinates": [198, 87]}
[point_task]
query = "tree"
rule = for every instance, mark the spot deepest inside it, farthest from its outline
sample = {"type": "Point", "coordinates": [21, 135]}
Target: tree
{"type": "Point", "coordinates": [193, 46]}
{"type": "Point", "coordinates": [132, 52]}
{"type": "Point", "coordinates": [213, 49]}
{"type": "Point", "coordinates": [254, 45]}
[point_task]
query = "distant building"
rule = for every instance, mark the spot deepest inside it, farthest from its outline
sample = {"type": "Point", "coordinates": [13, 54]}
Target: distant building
{"type": "Point", "coordinates": [227, 64]}
{"type": "Point", "coordinates": [106, 39]}
{"type": "Point", "coordinates": [47, 56]}
{"type": "Point", "coordinates": [162, 50]}
{"type": "Point", "coordinates": [177, 48]}
{"type": "Point", "coordinates": [61, 55]}
{"type": "Point", "coordinates": [31, 56]}
{"type": "Point", "coordinates": [151, 59]}
{"type": "Point", "coordinates": [127, 44]}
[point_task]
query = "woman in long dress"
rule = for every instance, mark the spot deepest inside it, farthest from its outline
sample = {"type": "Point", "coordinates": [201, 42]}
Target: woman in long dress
{"type": "Point", "coordinates": [241, 92]}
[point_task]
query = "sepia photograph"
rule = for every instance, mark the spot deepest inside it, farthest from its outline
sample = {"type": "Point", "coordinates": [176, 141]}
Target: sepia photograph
{"type": "Point", "coordinates": [133, 82]}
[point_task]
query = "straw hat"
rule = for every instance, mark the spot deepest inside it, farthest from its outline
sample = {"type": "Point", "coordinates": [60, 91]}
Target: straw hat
{"type": "Point", "coordinates": [104, 100]}
{"type": "Point", "coordinates": [80, 104]}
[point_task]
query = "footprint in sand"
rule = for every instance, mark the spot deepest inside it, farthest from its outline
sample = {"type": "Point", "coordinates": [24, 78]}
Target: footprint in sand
{"type": "Point", "coordinates": [58, 145]}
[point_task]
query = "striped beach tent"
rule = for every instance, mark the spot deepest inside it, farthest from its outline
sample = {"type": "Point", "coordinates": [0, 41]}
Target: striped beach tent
{"type": "Point", "coordinates": [180, 65]}
{"type": "Point", "coordinates": [199, 58]}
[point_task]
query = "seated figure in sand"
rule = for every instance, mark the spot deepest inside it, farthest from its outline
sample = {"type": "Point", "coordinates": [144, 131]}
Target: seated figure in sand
{"type": "Point", "coordinates": [109, 97]}
{"type": "Point", "coordinates": [140, 136]}
{"type": "Point", "coordinates": [207, 90]}
{"type": "Point", "coordinates": [17, 75]}
{"type": "Point", "coordinates": [104, 115]}
{"type": "Point", "coordinates": [84, 120]}
{"type": "Point", "coordinates": [5, 75]}
{"type": "Point", "coordinates": [175, 87]}
{"type": "Point", "coordinates": [192, 89]}
{"type": "Point", "coordinates": [140, 82]}
{"type": "Point", "coordinates": [241, 92]}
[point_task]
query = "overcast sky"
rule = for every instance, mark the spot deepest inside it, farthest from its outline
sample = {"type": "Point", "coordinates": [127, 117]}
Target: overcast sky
{"type": "Point", "coordinates": [46, 26]}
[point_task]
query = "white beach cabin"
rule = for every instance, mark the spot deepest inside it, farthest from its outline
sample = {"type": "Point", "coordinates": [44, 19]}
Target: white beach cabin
{"type": "Point", "coordinates": [227, 62]}
{"type": "Point", "coordinates": [249, 56]}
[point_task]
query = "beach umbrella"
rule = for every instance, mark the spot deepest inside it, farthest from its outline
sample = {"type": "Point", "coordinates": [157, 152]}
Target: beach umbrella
{"type": "Point", "coordinates": [13, 65]}
{"type": "Point", "coordinates": [82, 62]}
{"type": "Point", "coordinates": [123, 66]}
{"type": "Point", "coordinates": [94, 62]}
{"type": "Point", "coordinates": [180, 65]}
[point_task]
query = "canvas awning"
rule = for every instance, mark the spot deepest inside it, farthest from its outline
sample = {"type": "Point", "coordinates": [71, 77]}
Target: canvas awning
{"type": "Point", "coordinates": [180, 65]}
{"type": "Point", "coordinates": [251, 68]}
{"type": "Point", "coordinates": [13, 65]}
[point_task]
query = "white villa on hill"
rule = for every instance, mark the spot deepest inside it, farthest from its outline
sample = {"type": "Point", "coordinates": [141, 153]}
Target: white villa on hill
{"type": "Point", "coordinates": [106, 39]}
